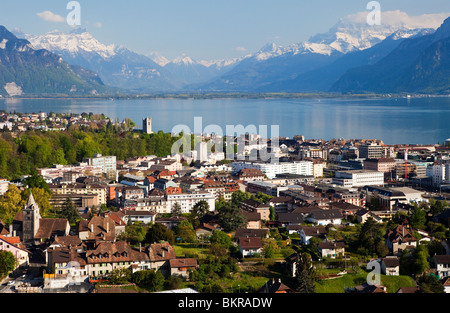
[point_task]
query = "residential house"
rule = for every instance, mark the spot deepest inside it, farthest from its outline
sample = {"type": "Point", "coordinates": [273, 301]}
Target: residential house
{"type": "Point", "coordinates": [145, 217]}
{"type": "Point", "coordinates": [15, 246]}
{"type": "Point", "coordinates": [363, 215]}
{"type": "Point", "coordinates": [253, 219]}
{"type": "Point", "coordinates": [181, 267]}
{"type": "Point", "coordinates": [160, 255]}
{"type": "Point", "coordinates": [281, 204]}
{"type": "Point", "coordinates": [258, 207]}
{"type": "Point", "coordinates": [325, 217]}
{"type": "Point", "coordinates": [275, 286]}
{"type": "Point", "coordinates": [400, 238]}
{"type": "Point", "coordinates": [442, 263]}
{"type": "Point", "coordinates": [249, 246]}
{"type": "Point", "coordinates": [331, 249]}
{"type": "Point", "coordinates": [97, 229]}
{"type": "Point", "coordinates": [390, 266]}
{"type": "Point", "coordinates": [308, 232]}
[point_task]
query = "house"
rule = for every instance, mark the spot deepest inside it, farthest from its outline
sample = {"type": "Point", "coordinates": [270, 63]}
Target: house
{"type": "Point", "coordinates": [446, 284]}
{"type": "Point", "coordinates": [181, 267]}
{"type": "Point", "coordinates": [289, 219]}
{"type": "Point", "coordinates": [325, 217]}
{"type": "Point", "coordinates": [97, 229]}
{"type": "Point", "coordinates": [363, 215]}
{"type": "Point", "coordinates": [275, 286]}
{"type": "Point", "coordinates": [208, 224]}
{"type": "Point", "coordinates": [308, 232]}
{"type": "Point", "coordinates": [106, 256]}
{"type": "Point", "coordinates": [408, 290]}
{"type": "Point", "coordinates": [15, 246]}
{"type": "Point", "coordinates": [145, 217]}
{"type": "Point", "coordinates": [390, 266]}
{"type": "Point", "coordinates": [159, 256]}
{"type": "Point", "coordinates": [400, 238]}
{"type": "Point", "coordinates": [258, 207]}
{"type": "Point", "coordinates": [70, 268]}
{"type": "Point", "coordinates": [281, 204]}
{"type": "Point", "coordinates": [250, 246]}
{"type": "Point", "coordinates": [331, 249]}
{"type": "Point", "coordinates": [367, 288]}
{"type": "Point", "coordinates": [253, 219]}
{"type": "Point", "coordinates": [442, 263]}
{"type": "Point", "coordinates": [248, 232]}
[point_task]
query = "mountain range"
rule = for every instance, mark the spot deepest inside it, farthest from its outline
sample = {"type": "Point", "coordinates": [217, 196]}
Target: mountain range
{"type": "Point", "coordinates": [352, 57]}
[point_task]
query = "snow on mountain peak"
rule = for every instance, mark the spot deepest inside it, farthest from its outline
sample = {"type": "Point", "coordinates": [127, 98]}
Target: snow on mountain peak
{"type": "Point", "coordinates": [73, 42]}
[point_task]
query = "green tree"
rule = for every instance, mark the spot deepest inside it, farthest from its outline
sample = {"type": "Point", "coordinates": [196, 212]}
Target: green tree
{"type": "Point", "coordinates": [69, 211]}
{"type": "Point", "coordinates": [420, 256]}
{"type": "Point", "coordinates": [199, 210]}
{"type": "Point", "coordinates": [370, 235]}
{"type": "Point", "coordinates": [304, 274]}
{"type": "Point", "coordinates": [231, 218]}
{"type": "Point", "coordinates": [185, 231]}
{"type": "Point", "coordinates": [418, 218]}
{"type": "Point", "coordinates": [149, 279]}
{"type": "Point", "coordinates": [429, 284]}
{"type": "Point", "coordinates": [221, 238]}
{"type": "Point", "coordinates": [10, 204]}
{"type": "Point", "coordinates": [7, 262]}
{"type": "Point", "coordinates": [158, 232]}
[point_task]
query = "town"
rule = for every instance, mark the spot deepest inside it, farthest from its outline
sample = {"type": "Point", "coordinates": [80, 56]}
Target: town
{"type": "Point", "coordinates": [200, 223]}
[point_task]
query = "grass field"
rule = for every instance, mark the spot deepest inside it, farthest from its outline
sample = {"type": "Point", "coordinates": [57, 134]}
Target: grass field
{"type": "Point", "coordinates": [338, 285]}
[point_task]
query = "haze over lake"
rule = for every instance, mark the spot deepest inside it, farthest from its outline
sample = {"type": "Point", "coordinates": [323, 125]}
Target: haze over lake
{"type": "Point", "coordinates": [395, 121]}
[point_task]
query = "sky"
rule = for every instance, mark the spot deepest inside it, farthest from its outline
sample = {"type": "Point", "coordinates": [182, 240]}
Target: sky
{"type": "Point", "coordinates": [201, 29]}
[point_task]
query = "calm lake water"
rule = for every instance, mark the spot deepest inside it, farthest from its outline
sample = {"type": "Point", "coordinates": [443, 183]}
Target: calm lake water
{"type": "Point", "coordinates": [403, 121]}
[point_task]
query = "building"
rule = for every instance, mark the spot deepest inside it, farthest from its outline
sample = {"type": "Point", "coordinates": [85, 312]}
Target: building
{"type": "Point", "coordinates": [400, 238]}
{"type": "Point", "coordinates": [220, 189]}
{"type": "Point", "coordinates": [147, 125]}
{"type": "Point", "coordinates": [188, 200]}
{"type": "Point", "coordinates": [358, 178]}
{"type": "Point", "coordinates": [107, 164]}
{"type": "Point", "coordinates": [390, 266]}
{"type": "Point", "coordinates": [442, 263]}
{"type": "Point", "coordinates": [15, 246]}
{"type": "Point", "coordinates": [271, 170]}
{"type": "Point", "coordinates": [371, 151]}
{"type": "Point", "coordinates": [385, 165]}
{"type": "Point", "coordinates": [249, 246]}
{"type": "Point", "coordinates": [69, 190]}
{"type": "Point", "coordinates": [331, 249]}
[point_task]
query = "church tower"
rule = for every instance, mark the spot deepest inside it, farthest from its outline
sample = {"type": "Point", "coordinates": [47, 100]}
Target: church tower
{"type": "Point", "coordinates": [31, 217]}
{"type": "Point", "coordinates": [147, 126]}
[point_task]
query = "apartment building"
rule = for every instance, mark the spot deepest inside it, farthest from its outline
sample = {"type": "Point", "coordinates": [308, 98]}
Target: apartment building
{"type": "Point", "coordinates": [358, 178]}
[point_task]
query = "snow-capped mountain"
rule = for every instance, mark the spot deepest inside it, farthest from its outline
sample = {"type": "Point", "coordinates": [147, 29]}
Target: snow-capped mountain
{"type": "Point", "coordinates": [273, 64]}
{"type": "Point", "coordinates": [116, 65]}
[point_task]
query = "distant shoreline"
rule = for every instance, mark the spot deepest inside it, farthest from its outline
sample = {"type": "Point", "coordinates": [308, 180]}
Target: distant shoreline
{"type": "Point", "coordinates": [206, 96]}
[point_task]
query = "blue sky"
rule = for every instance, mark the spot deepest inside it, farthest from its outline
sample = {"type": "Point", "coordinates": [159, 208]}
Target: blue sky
{"type": "Point", "coordinates": [202, 29]}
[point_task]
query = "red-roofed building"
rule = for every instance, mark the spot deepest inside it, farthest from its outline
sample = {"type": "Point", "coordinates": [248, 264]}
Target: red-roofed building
{"type": "Point", "coordinates": [15, 246]}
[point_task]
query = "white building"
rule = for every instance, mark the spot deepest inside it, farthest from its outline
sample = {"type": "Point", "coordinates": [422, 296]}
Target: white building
{"type": "Point", "coordinates": [188, 200]}
{"type": "Point", "coordinates": [272, 169]}
{"type": "Point", "coordinates": [439, 173]}
{"type": "Point", "coordinates": [108, 164]}
{"type": "Point", "coordinates": [358, 178]}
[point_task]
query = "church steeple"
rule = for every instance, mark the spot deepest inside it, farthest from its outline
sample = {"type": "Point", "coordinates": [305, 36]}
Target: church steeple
{"type": "Point", "coordinates": [31, 218]}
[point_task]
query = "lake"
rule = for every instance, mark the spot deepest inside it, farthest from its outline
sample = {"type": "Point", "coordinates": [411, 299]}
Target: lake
{"type": "Point", "coordinates": [399, 120]}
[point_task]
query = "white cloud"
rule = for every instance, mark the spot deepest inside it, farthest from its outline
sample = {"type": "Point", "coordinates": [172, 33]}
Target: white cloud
{"type": "Point", "coordinates": [399, 18]}
{"type": "Point", "coordinates": [240, 49]}
{"type": "Point", "coordinates": [98, 24]}
{"type": "Point", "coordinates": [49, 16]}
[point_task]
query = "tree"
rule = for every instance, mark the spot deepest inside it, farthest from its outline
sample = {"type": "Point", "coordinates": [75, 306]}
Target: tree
{"type": "Point", "coordinates": [231, 218]}
{"type": "Point", "coordinates": [420, 256]}
{"type": "Point", "coordinates": [185, 231]}
{"type": "Point", "coordinates": [10, 204]}
{"type": "Point", "coordinates": [42, 198]}
{"type": "Point", "coordinates": [150, 280]}
{"type": "Point", "coordinates": [176, 210]}
{"type": "Point", "coordinates": [304, 274]}
{"type": "Point", "coordinates": [221, 238]}
{"type": "Point", "coordinates": [238, 196]}
{"type": "Point", "coordinates": [7, 262]}
{"type": "Point", "coordinates": [69, 211]}
{"type": "Point", "coordinates": [370, 235]}
{"type": "Point", "coordinates": [199, 210]}
{"type": "Point", "coordinates": [418, 218]}
{"type": "Point", "coordinates": [158, 232]}
{"type": "Point", "coordinates": [429, 284]}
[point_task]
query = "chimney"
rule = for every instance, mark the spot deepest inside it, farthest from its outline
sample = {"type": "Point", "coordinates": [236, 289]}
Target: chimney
{"type": "Point", "coordinates": [140, 247]}
{"type": "Point", "coordinates": [92, 228]}
{"type": "Point", "coordinates": [107, 226]}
